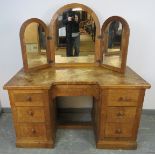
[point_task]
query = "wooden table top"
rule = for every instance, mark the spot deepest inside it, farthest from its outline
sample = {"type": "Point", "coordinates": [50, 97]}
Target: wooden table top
{"type": "Point", "coordinates": [45, 78]}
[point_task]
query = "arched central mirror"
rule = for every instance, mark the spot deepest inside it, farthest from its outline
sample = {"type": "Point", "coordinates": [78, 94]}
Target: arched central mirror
{"type": "Point", "coordinates": [76, 32]}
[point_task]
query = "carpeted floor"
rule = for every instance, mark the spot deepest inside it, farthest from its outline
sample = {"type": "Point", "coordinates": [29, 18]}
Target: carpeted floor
{"type": "Point", "coordinates": [76, 141]}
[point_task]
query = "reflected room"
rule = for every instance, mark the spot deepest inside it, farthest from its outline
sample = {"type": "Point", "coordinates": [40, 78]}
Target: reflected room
{"type": "Point", "coordinates": [35, 44]}
{"type": "Point", "coordinates": [75, 33]}
{"type": "Point", "coordinates": [112, 55]}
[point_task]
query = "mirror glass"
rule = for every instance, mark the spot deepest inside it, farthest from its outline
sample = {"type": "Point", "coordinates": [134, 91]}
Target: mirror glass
{"type": "Point", "coordinates": [112, 55]}
{"type": "Point", "coordinates": [75, 33]}
{"type": "Point", "coordinates": [35, 45]}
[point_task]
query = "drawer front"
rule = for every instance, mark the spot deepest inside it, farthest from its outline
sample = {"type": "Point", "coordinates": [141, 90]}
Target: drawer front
{"type": "Point", "coordinates": [28, 99]}
{"type": "Point", "coordinates": [30, 114]}
{"type": "Point", "coordinates": [31, 130]}
{"type": "Point", "coordinates": [121, 114]}
{"type": "Point", "coordinates": [118, 130]}
{"type": "Point", "coordinates": [76, 90]}
{"type": "Point", "coordinates": [123, 97]}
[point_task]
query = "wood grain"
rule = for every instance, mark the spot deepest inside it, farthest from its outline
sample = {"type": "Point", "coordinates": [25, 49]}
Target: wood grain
{"type": "Point", "coordinates": [46, 78]}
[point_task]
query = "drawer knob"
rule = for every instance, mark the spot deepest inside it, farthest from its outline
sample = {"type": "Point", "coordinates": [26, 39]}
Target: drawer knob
{"type": "Point", "coordinates": [125, 99]}
{"type": "Point", "coordinates": [118, 131]}
{"type": "Point", "coordinates": [33, 131]}
{"type": "Point", "coordinates": [29, 99]}
{"type": "Point", "coordinates": [120, 113]}
{"type": "Point", "coordinates": [30, 113]}
{"type": "Point", "coordinates": [120, 99]}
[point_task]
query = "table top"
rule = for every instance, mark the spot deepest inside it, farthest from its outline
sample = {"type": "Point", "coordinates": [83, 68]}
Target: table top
{"type": "Point", "coordinates": [46, 78]}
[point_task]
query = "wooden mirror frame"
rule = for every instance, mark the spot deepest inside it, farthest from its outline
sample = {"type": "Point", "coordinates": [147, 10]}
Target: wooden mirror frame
{"type": "Point", "coordinates": [52, 33]}
{"type": "Point", "coordinates": [23, 47]}
{"type": "Point", "coordinates": [124, 42]}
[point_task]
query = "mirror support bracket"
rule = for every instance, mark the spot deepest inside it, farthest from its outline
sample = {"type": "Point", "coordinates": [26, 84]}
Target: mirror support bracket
{"type": "Point", "coordinates": [49, 37]}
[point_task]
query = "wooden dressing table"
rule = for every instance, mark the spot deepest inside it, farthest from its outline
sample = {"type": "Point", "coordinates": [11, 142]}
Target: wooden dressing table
{"type": "Point", "coordinates": [116, 112]}
{"type": "Point", "coordinates": [118, 92]}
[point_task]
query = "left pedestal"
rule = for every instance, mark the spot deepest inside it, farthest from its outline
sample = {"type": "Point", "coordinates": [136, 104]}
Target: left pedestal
{"type": "Point", "coordinates": [34, 118]}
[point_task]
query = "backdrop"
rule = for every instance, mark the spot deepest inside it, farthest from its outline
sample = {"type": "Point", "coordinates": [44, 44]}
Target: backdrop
{"type": "Point", "coordinates": [139, 14]}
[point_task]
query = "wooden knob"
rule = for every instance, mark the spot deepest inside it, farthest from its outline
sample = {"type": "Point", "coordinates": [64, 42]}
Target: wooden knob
{"type": "Point", "coordinates": [120, 99]}
{"type": "Point", "coordinates": [128, 99]}
{"type": "Point", "coordinates": [118, 131]}
{"type": "Point", "coordinates": [33, 131]}
{"type": "Point", "coordinates": [120, 113]}
{"type": "Point", "coordinates": [29, 99]}
{"type": "Point", "coordinates": [124, 99]}
{"type": "Point", "coordinates": [30, 113]}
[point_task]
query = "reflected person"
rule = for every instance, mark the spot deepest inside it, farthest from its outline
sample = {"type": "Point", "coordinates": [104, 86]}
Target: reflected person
{"type": "Point", "coordinates": [71, 21]}
{"type": "Point", "coordinates": [76, 35]}
{"type": "Point", "coordinates": [67, 21]}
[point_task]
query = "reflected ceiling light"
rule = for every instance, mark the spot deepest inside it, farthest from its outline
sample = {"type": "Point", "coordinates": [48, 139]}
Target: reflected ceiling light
{"type": "Point", "coordinates": [77, 9]}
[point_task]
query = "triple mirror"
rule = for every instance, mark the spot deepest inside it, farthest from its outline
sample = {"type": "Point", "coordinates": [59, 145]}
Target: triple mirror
{"type": "Point", "coordinates": [73, 37]}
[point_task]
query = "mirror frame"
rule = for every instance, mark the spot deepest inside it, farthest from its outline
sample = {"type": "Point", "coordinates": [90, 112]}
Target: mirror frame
{"type": "Point", "coordinates": [124, 42]}
{"type": "Point", "coordinates": [100, 41]}
{"type": "Point", "coordinates": [23, 47]}
{"type": "Point", "coordinates": [52, 33]}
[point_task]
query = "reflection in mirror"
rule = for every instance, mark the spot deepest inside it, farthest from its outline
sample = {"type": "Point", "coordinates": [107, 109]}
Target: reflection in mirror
{"type": "Point", "coordinates": [75, 37]}
{"type": "Point", "coordinates": [35, 44]}
{"type": "Point", "coordinates": [112, 55]}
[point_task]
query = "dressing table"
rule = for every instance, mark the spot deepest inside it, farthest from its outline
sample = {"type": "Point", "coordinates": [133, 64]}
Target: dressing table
{"type": "Point", "coordinates": [118, 92]}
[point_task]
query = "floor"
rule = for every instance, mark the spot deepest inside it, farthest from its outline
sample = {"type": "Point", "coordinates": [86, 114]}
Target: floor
{"type": "Point", "coordinates": [77, 141]}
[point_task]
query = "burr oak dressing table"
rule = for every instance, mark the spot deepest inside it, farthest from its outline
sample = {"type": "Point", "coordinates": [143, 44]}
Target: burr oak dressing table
{"type": "Point", "coordinates": [118, 92]}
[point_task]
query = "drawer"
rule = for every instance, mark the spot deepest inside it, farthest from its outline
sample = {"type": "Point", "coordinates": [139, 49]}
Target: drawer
{"type": "Point", "coordinates": [123, 97]}
{"type": "Point", "coordinates": [30, 114]}
{"type": "Point", "coordinates": [28, 99]}
{"type": "Point", "coordinates": [118, 130]}
{"type": "Point", "coordinates": [76, 90]}
{"type": "Point", "coordinates": [31, 130]}
{"type": "Point", "coordinates": [121, 114]}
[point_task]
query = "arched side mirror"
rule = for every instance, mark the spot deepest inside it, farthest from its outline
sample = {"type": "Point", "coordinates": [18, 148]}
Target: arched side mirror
{"type": "Point", "coordinates": [115, 32]}
{"type": "Point", "coordinates": [34, 44]}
